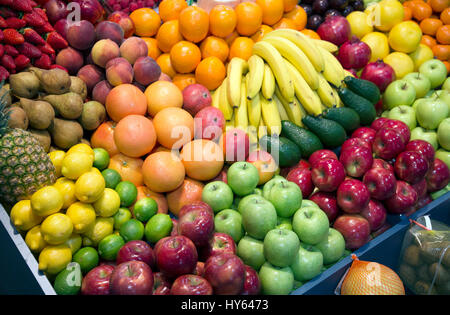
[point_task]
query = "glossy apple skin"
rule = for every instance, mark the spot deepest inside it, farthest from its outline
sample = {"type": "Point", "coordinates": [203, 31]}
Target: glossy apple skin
{"type": "Point", "coordinates": [174, 231]}
{"type": "Point", "coordinates": [320, 155]}
{"type": "Point", "coordinates": [301, 164]}
{"type": "Point", "coordinates": [378, 123]}
{"type": "Point", "coordinates": [420, 188]}
{"type": "Point", "coordinates": [357, 160]}
{"type": "Point", "coordinates": [359, 142]}
{"type": "Point", "coordinates": [438, 176]}
{"type": "Point", "coordinates": [354, 228]}
{"type": "Point", "coordinates": [380, 163]}
{"type": "Point", "coordinates": [197, 225]}
{"type": "Point", "coordinates": [365, 133]}
{"type": "Point", "coordinates": [132, 278]}
{"type": "Point", "coordinates": [175, 256]}
{"type": "Point", "coordinates": [235, 145]}
{"type": "Point", "coordinates": [388, 143]}
{"type": "Point", "coordinates": [400, 127]}
{"type": "Point", "coordinates": [217, 244]}
{"type": "Point", "coordinates": [303, 178]}
{"type": "Point", "coordinates": [193, 206]}
{"type": "Point", "coordinates": [405, 197]}
{"type": "Point", "coordinates": [136, 250]}
{"type": "Point", "coordinates": [422, 147]}
{"type": "Point", "coordinates": [195, 98]}
{"type": "Point", "coordinates": [380, 182]}
{"type": "Point", "coordinates": [96, 281]}
{"type": "Point", "coordinates": [209, 123]}
{"type": "Point", "coordinates": [328, 174]}
{"type": "Point", "coordinates": [327, 202]}
{"type": "Point", "coordinates": [379, 73]}
{"type": "Point", "coordinates": [252, 286]}
{"type": "Point", "coordinates": [226, 273]}
{"type": "Point", "coordinates": [353, 196]}
{"type": "Point", "coordinates": [375, 213]}
{"type": "Point", "coordinates": [411, 167]}
{"type": "Point", "coordinates": [335, 29]}
{"type": "Point", "coordinates": [354, 54]}
{"type": "Point", "coordinates": [161, 284]}
{"type": "Point", "coordinates": [191, 285]}
{"type": "Point", "coordinates": [199, 269]}
{"type": "Point", "coordinates": [422, 202]}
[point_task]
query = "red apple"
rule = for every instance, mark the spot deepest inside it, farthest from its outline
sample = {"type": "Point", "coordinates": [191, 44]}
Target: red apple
{"type": "Point", "coordinates": [132, 278]}
{"type": "Point", "coordinates": [420, 188]}
{"type": "Point", "coordinates": [380, 163]}
{"type": "Point", "coordinates": [423, 147]}
{"type": "Point", "coordinates": [327, 202]}
{"type": "Point", "coordinates": [195, 98]}
{"type": "Point", "coordinates": [386, 226]}
{"type": "Point", "coordinates": [365, 133]}
{"type": "Point", "coordinates": [226, 273]}
{"type": "Point", "coordinates": [378, 123]}
{"type": "Point", "coordinates": [209, 123]}
{"type": "Point", "coordinates": [411, 167]}
{"type": "Point", "coordinates": [136, 250]}
{"type": "Point", "coordinates": [222, 176]}
{"type": "Point", "coordinates": [357, 160]}
{"type": "Point", "coordinates": [252, 286]}
{"type": "Point", "coordinates": [354, 53]}
{"type": "Point", "coordinates": [375, 213]}
{"type": "Point", "coordinates": [197, 224]}
{"type": "Point", "coordinates": [161, 285]}
{"type": "Point", "coordinates": [438, 176]}
{"type": "Point", "coordinates": [388, 143]}
{"type": "Point", "coordinates": [303, 178]}
{"type": "Point", "coordinates": [235, 145]}
{"type": "Point", "coordinates": [400, 127]}
{"type": "Point", "coordinates": [359, 142]}
{"type": "Point", "coordinates": [319, 155]}
{"type": "Point", "coordinates": [194, 206]}
{"type": "Point", "coordinates": [380, 182]}
{"type": "Point", "coordinates": [199, 269]}
{"type": "Point", "coordinates": [379, 73]}
{"type": "Point", "coordinates": [335, 29]}
{"type": "Point", "coordinates": [96, 281]}
{"type": "Point", "coordinates": [191, 285]}
{"type": "Point", "coordinates": [354, 228]}
{"type": "Point", "coordinates": [353, 196]}
{"type": "Point", "coordinates": [217, 244]}
{"type": "Point", "coordinates": [328, 174]}
{"type": "Point", "coordinates": [174, 231]}
{"type": "Point", "coordinates": [422, 202]}
{"type": "Point", "coordinates": [405, 197]}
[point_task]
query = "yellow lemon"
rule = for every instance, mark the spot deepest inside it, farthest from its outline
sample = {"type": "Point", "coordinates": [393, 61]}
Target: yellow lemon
{"type": "Point", "coordinates": [57, 158]}
{"type": "Point", "coordinates": [96, 170]}
{"type": "Point", "coordinates": [74, 242]}
{"type": "Point", "coordinates": [34, 239]}
{"type": "Point", "coordinates": [400, 62]}
{"type": "Point", "coordinates": [359, 23]}
{"type": "Point", "coordinates": [56, 228]}
{"type": "Point", "coordinates": [67, 190]}
{"type": "Point", "coordinates": [54, 258]}
{"type": "Point", "coordinates": [99, 230]}
{"type": "Point", "coordinates": [378, 43]}
{"type": "Point", "coordinates": [82, 216]}
{"type": "Point", "coordinates": [420, 55]}
{"type": "Point", "coordinates": [23, 217]}
{"type": "Point", "coordinates": [76, 164]}
{"type": "Point", "coordinates": [89, 187]}
{"type": "Point", "coordinates": [46, 201]}
{"type": "Point", "coordinates": [82, 148]}
{"type": "Point", "coordinates": [108, 204]}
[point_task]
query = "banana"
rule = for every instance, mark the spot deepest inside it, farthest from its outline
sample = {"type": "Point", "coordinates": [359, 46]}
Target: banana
{"type": "Point", "coordinates": [332, 48]}
{"type": "Point", "coordinates": [297, 57]}
{"type": "Point", "coordinates": [268, 83]}
{"type": "Point", "coordinates": [304, 43]}
{"type": "Point", "coordinates": [215, 98]}
{"type": "Point", "coordinates": [255, 75]}
{"type": "Point", "coordinates": [348, 73]}
{"type": "Point", "coordinates": [333, 72]}
{"type": "Point", "coordinates": [224, 105]}
{"type": "Point", "coordinates": [271, 116]}
{"type": "Point", "coordinates": [252, 132]}
{"type": "Point", "coordinates": [236, 69]}
{"type": "Point", "coordinates": [292, 109]}
{"type": "Point", "coordinates": [302, 110]}
{"type": "Point", "coordinates": [281, 110]}
{"type": "Point", "coordinates": [326, 92]}
{"type": "Point", "coordinates": [309, 98]}
{"type": "Point", "coordinates": [271, 55]}
{"type": "Point", "coordinates": [229, 123]}
{"type": "Point", "coordinates": [254, 110]}
{"type": "Point", "coordinates": [240, 113]}
{"type": "Point", "coordinates": [262, 129]}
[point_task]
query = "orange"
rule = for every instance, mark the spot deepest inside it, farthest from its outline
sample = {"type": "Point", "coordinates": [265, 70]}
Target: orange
{"type": "Point", "coordinates": [202, 159]}
{"type": "Point", "coordinates": [210, 73]}
{"type": "Point", "coordinates": [214, 46]}
{"type": "Point", "coordinates": [428, 40]}
{"type": "Point", "coordinates": [230, 38]}
{"type": "Point", "coordinates": [263, 30]}
{"type": "Point", "coordinates": [430, 26]}
{"type": "Point", "coordinates": [166, 66]}
{"type": "Point", "coordinates": [168, 35]}
{"type": "Point", "coordinates": [298, 15]}
{"type": "Point", "coordinates": [162, 94]}
{"type": "Point", "coordinates": [439, 5]}
{"type": "Point", "coordinates": [285, 23]}
{"type": "Point", "coordinates": [170, 9]}
{"type": "Point", "coordinates": [445, 16]}
{"type": "Point", "coordinates": [241, 47]}
{"type": "Point", "coordinates": [185, 56]}
{"type": "Point", "coordinates": [103, 137]}
{"type": "Point", "coordinates": [272, 10]}
{"type": "Point", "coordinates": [310, 33]}
{"type": "Point", "coordinates": [289, 5]}
{"type": "Point", "coordinates": [407, 13]}
{"type": "Point", "coordinates": [421, 10]}
{"type": "Point", "coordinates": [130, 169]}
{"type": "Point", "coordinates": [135, 135]}
{"type": "Point", "coordinates": [447, 65]}
{"type": "Point", "coordinates": [123, 100]}
{"type": "Point", "coordinates": [163, 172]}
{"type": "Point", "coordinates": [249, 18]}
{"type": "Point", "coordinates": [153, 49]}
{"type": "Point", "coordinates": [194, 24]}
{"type": "Point", "coordinates": [144, 192]}
{"type": "Point", "coordinates": [146, 21]}
{"type": "Point", "coordinates": [183, 80]}
{"type": "Point", "coordinates": [174, 127]}
{"type": "Point", "coordinates": [441, 52]}
{"type": "Point", "coordinates": [222, 20]}
{"type": "Point", "coordinates": [443, 35]}
{"type": "Point", "coordinates": [409, 4]}
{"type": "Point", "coordinates": [189, 192]}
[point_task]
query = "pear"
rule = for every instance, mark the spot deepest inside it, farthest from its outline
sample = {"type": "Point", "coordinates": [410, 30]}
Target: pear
{"type": "Point", "coordinates": [65, 133]}
{"type": "Point", "coordinates": [78, 86]}
{"type": "Point", "coordinates": [68, 105]}
{"type": "Point", "coordinates": [53, 81]}
{"type": "Point", "coordinates": [24, 84]}
{"type": "Point", "coordinates": [93, 115]}
{"type": "Point", "coordinates": [18, 118]}
{"type": "Point", "coordinates": [43, 136]}
{"type": "Point", "coordinates": [39, 113]}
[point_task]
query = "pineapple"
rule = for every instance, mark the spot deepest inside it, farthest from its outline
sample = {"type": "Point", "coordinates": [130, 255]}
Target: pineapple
{"type": "Point", "coordinates": [24, 165]}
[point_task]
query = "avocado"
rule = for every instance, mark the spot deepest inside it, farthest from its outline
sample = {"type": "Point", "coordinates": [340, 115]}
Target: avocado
{"type": "Point", "coordinates": [364, 88]}
{"type": "Point", "coordinates": [364, 108]}
{"type": "Point", "coordinates": [330, 133]}
{"type": "Point", "coordinates": [345, 116]}
{"type": "Point", "coordinates": [284, 151]}
{"type": "Point", "coordinates": [306, 140]}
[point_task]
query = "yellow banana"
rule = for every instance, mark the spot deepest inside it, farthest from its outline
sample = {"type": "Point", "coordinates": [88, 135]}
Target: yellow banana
{"type": "Point", "coordinates": [338, 101]}
{"type": "Point", "coordinates": [236, 69]}
{"type": "Point", "coordinates": [271, 116]}
{"type": "Point", "coordinates": [268, 83]}
{"type": "Point", "coordinates": [271, 55]}
{"type": "Point", "coordinates": [281, 110]}
{"type": "Point", "coordinates": [254, 110]}
{"type": "Point", "coordinates": [229, 124]}
{"type": "Point", "coordinates": [255, 75]}
{"type": "Point", "coordinates": [262, 129]}
{"type": "Point", "coordinates": [252, 132]}
{"type": "Point", "coordinates": [332, 48]}
{"type": "Point", "coordinates": [224, 105]}
{"type": "Point", "coordinates": [215, 98]}
{"type": "Point", "coordinates": [292, 109]}
{"type": "Point", "coordinates": [325, 92]}
{"type": "Point", "coordinates": [333, 72]}
{"type": "Point", "coordinates": [240, 113]}
{"type": "Point", "coordinates": [303, 112]}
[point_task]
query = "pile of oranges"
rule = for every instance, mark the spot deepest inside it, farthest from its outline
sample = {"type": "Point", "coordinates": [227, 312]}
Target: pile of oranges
{"type": "Point", "coordinates": [433, 16]}
{"type": "Point", "coordinates": [194, 46]}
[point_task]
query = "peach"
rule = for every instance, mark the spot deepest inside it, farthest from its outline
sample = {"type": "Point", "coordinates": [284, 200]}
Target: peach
{"type": "Point", "coordinates": [125, 22]}
{"type": "Point", "coordinates": [71, 59]}
{"type": "Point", "coordinates": [103, 51]}
{"type": "Point", "coordinates": [132, 48]}
{"type": "Point", "coordinates": [119, 71]}
{"type": "Point", "coordinates": [101, 91]}
{"type": "Point", "coordinates": [91, 75]}
{"type": "Point", "coordinates": [146, 70]}
{"type": "Point", "coordinates": [109, 30]}
{"type": "Point", "coordinates": [81, 35]}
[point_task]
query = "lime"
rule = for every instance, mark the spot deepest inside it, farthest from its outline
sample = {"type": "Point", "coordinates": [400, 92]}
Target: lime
{"type": "Point", "coordinates": [87, 257]}
{"type": "Point", "coordinates": [145, 208]}
{"type": "Point", "coordinates": [121, 216]}
{"type": "Point", "coordinates": [101, 158]}
{"type": "Point", "coordinates": [110, 246]}
{"type": "Point", "coordinates": [159, 226]}
{"type": "Point", "coordinates": [127, 192]}
{"type": "Point", "coordinates": [68, 281]}
{"type": "Point", "coordinates": [112, 178]}
{"type": "Point", "coordinates": [132, 230]}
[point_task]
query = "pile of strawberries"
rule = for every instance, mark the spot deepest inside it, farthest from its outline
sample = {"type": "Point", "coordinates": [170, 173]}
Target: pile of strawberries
{"type": "Point", "coordinates": [26, 37]}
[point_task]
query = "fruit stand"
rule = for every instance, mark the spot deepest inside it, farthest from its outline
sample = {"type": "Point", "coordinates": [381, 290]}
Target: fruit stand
{"type": "Point", "coordinates": [267, 147]}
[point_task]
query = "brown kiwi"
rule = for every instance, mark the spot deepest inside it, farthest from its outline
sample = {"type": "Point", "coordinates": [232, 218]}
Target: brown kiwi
{"type": "Point", "coordinates": [412, 255]}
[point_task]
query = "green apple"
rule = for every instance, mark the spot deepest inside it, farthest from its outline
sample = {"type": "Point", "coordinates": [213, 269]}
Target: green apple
{"type": "Point", "coordinates": [284, 223]}
{"type": "Point", "coordinates": [258, 191]}
{"type": "Point", "coordinates": [309, 203]}
{"type": "Point", "coordinates": [286, 198]}
{"type": "Point", "coordinates": [404, 113]}
{"type": "Point", "coordinates": [445, 96]}
{"type": "Point", "coordinates": [251, 251]}
{"type": "Point", "coordinates": [399, 92]}
{"type": "Point", "coordinates": [242, 204]}
{"type": "Point", "coordinates": [385, 114]}
{"type": "Point", "coordinates": [276, 280]}
{"type": "Point", "coordinates": [443, 134]}
{"type": "Point", "coordinates": [268, 186]}
{"type": "Point", "coordinates": [430, 93]}
{"type": "Point", "coordinates": [435, 71]}
{"type": "Point", "coordinates": [243, 177]}
{"type": "Point", "coordinates": [420, 83]}
{"type": "Point", "coordinates": [297, 284]}
{"type": "Point", "coordinates": [332, 247]}
{"type": "Point", "coordinates": [280, 247]}
{"type": "Point", "coordinates": [417, 102]}
{"type": "Point", "coordinates": [446, 85]}
{"type": "Point", "coordinates": [427, 135]}
{"type": "Point", "coordinates": [230, 222]}
{"type": "Point", "coordinates": [235, 204]}
{"type": "Point", "coordinates": [258, 217]}
{"type": "Point", "coordinates": [311, 225]}
{"type": "Point", "coordinates": [308, 263]}
{"type": "Point", "coordinates": [218, 195]}
{"type": "Point", "coordinates": [431, 112]}
{"type": "Point", "coordinates": [443, 155]}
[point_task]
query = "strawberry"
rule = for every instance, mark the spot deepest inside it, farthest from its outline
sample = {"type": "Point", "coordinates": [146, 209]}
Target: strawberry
{"type": "Point", "coordinates": [43, 62]}
{"type": "Point", "coordinates": [42, 13]}
{"type": "Point", "coordinates": [13, 37]}
{"type": "Point", "coordinates": [14, 22]}
{"type": "Point", "coordinates": [2, 50]}
{"type": "Point", "coordinates": [46, 28]}
{"type": "Point", "coordinates": [55, 66]}
{"type": "Point", "coordinates": [7, 12]}
{"type": "Point", "coordinates": [29, 50]}
{"type": "Point", "coordinates": [3, 23]}
{"type": "Point", "coordinates": [33, 19]}
{"type": "Point", "coordinates": [52, 57]}
{"type": "Point", "coordinates": [55, 40]}
{"type": "Point", "coordinates": [10, 50]}
{"type": "Point", "coordinates": [33, 4]}
{"type": "Point", "coordinates": [21, 5]}
{"type": "Point", "coordinates": [4, 74]}
{"type": "Point", "coordinates": [33, 37]}
{"type": "Point", "coordinates": [46, 49]}
{"type": "Point", "coordinates": [8, 62]}
{"type": "Point", "coordinates": [6, 3]}
{"type": "Point", "coordinates": [2, 37]}
{"type": "Point", "coordinates": [21, 62]}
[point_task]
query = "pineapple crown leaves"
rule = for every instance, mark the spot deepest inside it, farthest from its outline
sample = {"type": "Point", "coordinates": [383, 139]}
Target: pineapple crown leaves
{"type": "Point", "coordinates": [4, 114]}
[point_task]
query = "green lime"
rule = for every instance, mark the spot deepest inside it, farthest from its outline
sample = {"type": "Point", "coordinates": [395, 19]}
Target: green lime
{"type": "Point", "coordinates": [145, 208]}
{"type": "Point", "coordinates": [159, 226]}
{"type": "Point", "coordinates": [112, 178]}
{"type": "Point", "coordinates": [121, 216]}
{"type": "Point", "coordinates": [87, 257]}
{"type": "Point", "coordinates": [101, 158]}
{"type": "Point", "coordinates": [109, 246]}
{"type": "Point", "coordinates": [127, 192]}
{"type": "Point", "coordinates": [68, 281]}
{"type": "Point", "coordinates": [132, 230]}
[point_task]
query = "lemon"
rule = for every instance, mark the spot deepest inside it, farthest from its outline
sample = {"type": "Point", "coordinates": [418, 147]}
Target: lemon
{"type": "Point", "coordinates": [82, 148]}
{"type": "Point", "coordinates": [96, 170]}
{"type": "Point", "coordinates": [46, 201]}
{"type": "Point", "coordinates": [56, 228]}
{"type": "Point", "coordinates": [89, 187]}
{"type": "Point", "coordinates": [76, 164]}
{"type": "Point", "coordinates": [34, 239]}
{"type": "Point", "coordinates": [57, 158]}
{"type": "Point", "coordinates": [74, 242]}
{"type": "Point", "coordinates": [67, 189]}
{"type": "Point", "coordinates": [54, 258]}
{"type": "Point", "coordinates": [23, 217]}
{"type": "Point", "coordinates": [99, 230]}
{"type": "Point", "coordinates": [108, 204]}
{"type": "Point", "coordinates": [82, 216]}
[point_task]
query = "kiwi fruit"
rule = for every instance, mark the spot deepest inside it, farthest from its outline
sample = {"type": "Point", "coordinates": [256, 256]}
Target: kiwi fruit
{"type": "Point", "coordinates": [407, 274]}
{"type": "Point", "coordinates": [442, 275]}
{"type": "Point", "coordinates": [412, 255]}
{"type": "Point", "coordinates": [423, 288]}
{"type": "Point", "coordinates": [422, 273]}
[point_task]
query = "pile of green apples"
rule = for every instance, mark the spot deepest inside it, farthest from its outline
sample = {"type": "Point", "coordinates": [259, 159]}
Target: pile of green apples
{"type": "Point", "coordinates": [422, 101]}
{"type": "Point", "coordinates": [285, 238]}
